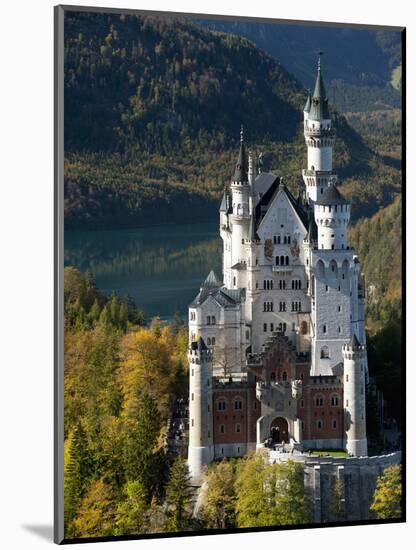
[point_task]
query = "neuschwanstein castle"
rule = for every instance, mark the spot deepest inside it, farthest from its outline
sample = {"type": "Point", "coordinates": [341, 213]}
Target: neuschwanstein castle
{"type": "Point", "coordinates": [277, 347]}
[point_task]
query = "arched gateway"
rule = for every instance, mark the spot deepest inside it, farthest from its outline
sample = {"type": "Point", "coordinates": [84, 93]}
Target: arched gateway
{"type": "Point", "coordinates": [279, 430]}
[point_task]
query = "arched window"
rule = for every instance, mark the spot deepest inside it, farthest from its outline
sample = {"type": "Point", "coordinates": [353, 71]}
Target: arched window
{"type": "Point", "coordinates": [284, 376]}
{"type": "Point", "coordinates": [222, 404]}
{"type": "Point", "coordinates": [238, 404]}
{"type": "Point", "coordinates": [334, 424]}
{"type": "Point", "coordinates": [324, 329]}
{"type": "Point", "coordinates": [282, 260]}
{"type": "Point", "coordinates": [320, 267]}
{"type": "Point", "coordinates": [238, 428]}
{"type": "Point", "coordinates": [222, 429]}
{"type": "Point", "coordinates": [324, 352]}
{"type": "Point", "coordinates": [319, 424]}
{"type": "Point", "coordinates": [208, 320]}
{"type": "Point", "coordinates": [209, 341]}
{"type": "Point", "coordinates": [273, 377]}
{"type": "Point", "coordinates": [213, 340]}
{"type": "Point", "coordinates": [319, 401]}
{"type": "Point", "coordinates": [278, 239]}
{"type": "Point", "coordinates": [277, 260]}
{"type": "Point", "coordinates": [334, 401]}
{"type": "Point", "coordinates": [213, 321]}
{"type": "Point", "coordinates": [287, 260]}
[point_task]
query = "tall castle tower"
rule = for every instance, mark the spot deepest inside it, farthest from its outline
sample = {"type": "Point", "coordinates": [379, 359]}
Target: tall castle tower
{"type": "Point", "coordinates": [320, 139]}
{"type": "Point", "coordinates": [200, 449]}
{"type": "Point", "coordinates": [354, 355]}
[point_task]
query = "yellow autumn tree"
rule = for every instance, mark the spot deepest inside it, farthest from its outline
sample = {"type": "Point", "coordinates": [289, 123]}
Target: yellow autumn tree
{"type": "Point", "coordinates": [387, 499]}
{"type": "Point", "coordinates": [97, 512]}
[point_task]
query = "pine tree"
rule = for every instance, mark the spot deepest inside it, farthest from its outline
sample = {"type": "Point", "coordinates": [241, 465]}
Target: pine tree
{"type": "Point", "coordinates": [105, 316]}
{"type": "Point", "coordinates": [143, 424]}
{"type": "Point", "coordinates": [115, 310]}
{"type": "Point", "coordinates": [178, 497]}
{"type": "Point", "coordinates": [337, 498]}
{"type": "Point", "coordinates": [77, 473]}
{"type": "Point", "coordinates": [94, 313]}
{"type": "Point", "coordinates": [387, 498]}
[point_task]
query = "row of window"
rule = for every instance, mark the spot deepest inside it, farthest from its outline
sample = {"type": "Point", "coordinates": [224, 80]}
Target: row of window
{"type": "Point", "coordinates": [282, 260]}
{"type": "Point", "coordinates": [320, 401]}
{"type": "Point", "coordinates": [268, 284]}
{"type": "Point", "coordinates": [222, 404]}
{"type": "Point", "coordinates": [221, 428]}
{"type": "Point", "coordinates": [268, 306]}
{"type": "Point", "coordinates": [277, 239]}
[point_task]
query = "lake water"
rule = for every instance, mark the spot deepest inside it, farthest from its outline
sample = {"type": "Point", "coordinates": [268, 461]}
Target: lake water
{"type": "Point", "coordinates": [162, 268]}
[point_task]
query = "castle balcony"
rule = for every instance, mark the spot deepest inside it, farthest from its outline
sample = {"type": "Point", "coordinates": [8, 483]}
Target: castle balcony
{"type": "Point", "coordinates": [322, 173]}
{"type": "Point", "coordinates": [317, 132]}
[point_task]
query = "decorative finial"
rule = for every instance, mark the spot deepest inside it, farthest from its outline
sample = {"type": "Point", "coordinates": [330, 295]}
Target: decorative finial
{"type": "Point", "coordinates": [320, 54]}
{"type": "Point", "coordinates": [242, 134]}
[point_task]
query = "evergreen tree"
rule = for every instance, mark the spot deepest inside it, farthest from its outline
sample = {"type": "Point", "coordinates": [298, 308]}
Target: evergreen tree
{"type": "Point", "coordinates": [387, 498]}
{"type": "Point", "coordinates": [115, 310]}
{"type": "Point", "coordinates": [94, 313]}
{"type": "Point", "coordinates": [143, 424]}
{"type": "Point", "coordinates": [123, 316]}
{"type": "Point", "coordinates": [78, 471]}
{"type": "Point", "coordinates": [178, 497]}
{"type": "Point", "coordinates": [337, 501]}
{"type": "Point", "coordinates": [105, 316]}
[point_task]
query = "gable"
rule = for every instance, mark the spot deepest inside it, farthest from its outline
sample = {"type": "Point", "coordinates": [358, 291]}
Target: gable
{"type": "Point", "coordinates": [281, 212]}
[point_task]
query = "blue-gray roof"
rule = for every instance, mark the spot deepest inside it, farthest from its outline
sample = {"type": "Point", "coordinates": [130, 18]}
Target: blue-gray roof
{"type": "Point", "coordinates": [319, 106]}
{"type": "Point", "coordinates": [331, 196]}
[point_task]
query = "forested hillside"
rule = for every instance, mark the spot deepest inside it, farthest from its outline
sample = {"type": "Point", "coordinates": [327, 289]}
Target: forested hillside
{"type": "Point", "coordinates": [378, 242]}
{"type": "Point", "coordinates": [153, 108]}
{"type": "Point", "coordinates": [355, 82]}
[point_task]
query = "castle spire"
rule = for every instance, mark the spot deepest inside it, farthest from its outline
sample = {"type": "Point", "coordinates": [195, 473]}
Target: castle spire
{"type": "Point", "coordinates": [240, 173]}
{"type": "Point", "coordinates": [319, 108]}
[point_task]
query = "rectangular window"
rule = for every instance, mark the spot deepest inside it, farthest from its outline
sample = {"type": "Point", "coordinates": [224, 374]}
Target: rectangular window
{"type": "Point", "coordinates": [265, 327]}
{"type": "Point", "coordinates": [271, 327]}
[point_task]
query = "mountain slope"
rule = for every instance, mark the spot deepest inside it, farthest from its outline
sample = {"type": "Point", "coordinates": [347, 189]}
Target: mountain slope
{"type": "Point", "coordinates": [153, 108]}
{"type": "Point", "coordinates": [347, 69]}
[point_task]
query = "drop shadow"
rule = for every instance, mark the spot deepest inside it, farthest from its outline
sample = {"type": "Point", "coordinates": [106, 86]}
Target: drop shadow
{"type": "Point", "coordinates": [43, 531]}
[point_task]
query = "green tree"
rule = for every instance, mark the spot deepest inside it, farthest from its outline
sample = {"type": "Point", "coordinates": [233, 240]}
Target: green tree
{"type": "Point", "coordinates": [178, 497]}
{"type": "Point", "coordinates": [338, 510]}
{"type": "Point", "coordinates": [142, 428]}
{"type": "Point", "coordinates": [220, 499]}
{"type": "Point", "coordinates": [78, 470]}
{"type": "Point", "coordinates": [271, 494]}
{"type": "Point", "coordinates": [94, 313]}
{"type": "Point", "coordinates": [131, 517]}
{"type": "Point", "coordinates": [387, 498]}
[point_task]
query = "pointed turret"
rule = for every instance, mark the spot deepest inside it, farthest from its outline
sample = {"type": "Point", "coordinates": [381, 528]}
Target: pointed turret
{"type": "Point", "coordinates": [319, 109]}
{"type": "Point", "coordinates": [240, 173]}
{"type": "Point", "coordinates": [211, 281]}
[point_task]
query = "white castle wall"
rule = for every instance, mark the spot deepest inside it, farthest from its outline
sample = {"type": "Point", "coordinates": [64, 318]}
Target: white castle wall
{"type": "Point", "coordinates": [332, 222]}
{"type": "Point", "coordinates": [354, 400]}
{"type": "Point", "coordinates": [200, 449]}
{"type": "Point", "coordinates": [332, 306]}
